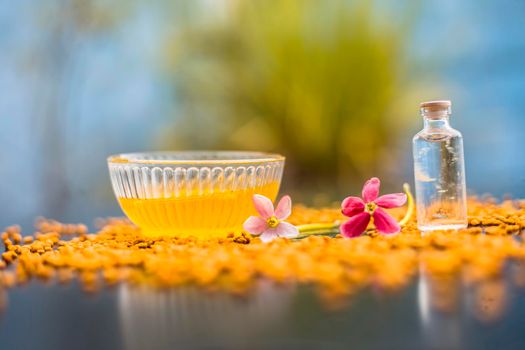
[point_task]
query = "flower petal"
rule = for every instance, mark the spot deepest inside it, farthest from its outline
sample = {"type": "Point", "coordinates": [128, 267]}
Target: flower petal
{"type": "Point", "coordinates": [371, 189]}
{"type": "Point", "coordinates": [352, 206]}
{"type": "Point", "coordinates": [268, 235]}
{"type": "Point", "coordinates": [287, 230]}
{"type": "Point", "coordinates": [393, 200]}
{"type": "Point", "coordinates": [385, 223]}
{"type": "Point", "coordinates": [255, 225]}
{"type": "Point", "coordinates": [264, 206]}
{"type": "Point", "coordinates": [284, 208]}
{"type": "Point", "coordinates": [356, 225]}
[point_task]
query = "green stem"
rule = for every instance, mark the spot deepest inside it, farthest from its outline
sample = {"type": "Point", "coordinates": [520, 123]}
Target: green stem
{"type": "Point", "coordinates": [411, 206]}
{"type": "Point", "coordinates": [318, 227]}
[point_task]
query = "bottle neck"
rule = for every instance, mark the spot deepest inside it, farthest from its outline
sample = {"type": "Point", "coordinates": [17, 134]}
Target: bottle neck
{"type": "Point", "coordinates": [435, 123]}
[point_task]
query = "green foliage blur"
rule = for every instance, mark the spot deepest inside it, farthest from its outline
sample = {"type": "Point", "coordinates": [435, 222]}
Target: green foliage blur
{"type": "Point", "coordinates": [318, 81]}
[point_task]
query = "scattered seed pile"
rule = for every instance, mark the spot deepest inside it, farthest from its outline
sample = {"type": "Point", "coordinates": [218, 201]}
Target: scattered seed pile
{"type": "Point", "coordinates": [337, 266]}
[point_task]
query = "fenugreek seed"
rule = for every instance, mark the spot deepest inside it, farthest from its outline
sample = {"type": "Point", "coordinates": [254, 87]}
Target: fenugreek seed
{"type": "Point", "coordinates": [474, 222]}
{"type": "Point", "coordinates": [17, 238]}
{"type": "Point", "coordinates": [13, 229]}
{"type": "Point", "coordinates": [339, 266]}
{"type": "Point", "coordinates": [8, 257]}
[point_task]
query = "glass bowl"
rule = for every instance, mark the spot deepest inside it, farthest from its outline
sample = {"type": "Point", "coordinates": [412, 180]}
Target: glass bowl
{"type": "Point", "coordinates": [193, 193]}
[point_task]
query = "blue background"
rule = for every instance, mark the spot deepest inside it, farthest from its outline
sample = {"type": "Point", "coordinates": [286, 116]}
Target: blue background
{"type": "Point", "coordinates": [74, 92]}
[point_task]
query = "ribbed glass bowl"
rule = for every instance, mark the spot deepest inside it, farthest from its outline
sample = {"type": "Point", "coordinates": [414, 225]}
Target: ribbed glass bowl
{"type": "Point", "coordinates": [193, 193]}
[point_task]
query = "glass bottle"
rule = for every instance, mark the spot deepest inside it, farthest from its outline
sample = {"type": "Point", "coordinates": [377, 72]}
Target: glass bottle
{"type": "Point", "coordinates": [439, 171]}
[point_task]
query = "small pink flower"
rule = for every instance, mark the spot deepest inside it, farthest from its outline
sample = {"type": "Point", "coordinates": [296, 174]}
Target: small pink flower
{"type": "Point", "coordinates": [360, 210]}
{"type": "Point", "coordinates": [270, 224]}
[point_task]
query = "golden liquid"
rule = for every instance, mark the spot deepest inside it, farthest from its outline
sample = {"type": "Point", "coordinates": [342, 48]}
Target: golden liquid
{"type": "Point", "coordinates": [201, 215]}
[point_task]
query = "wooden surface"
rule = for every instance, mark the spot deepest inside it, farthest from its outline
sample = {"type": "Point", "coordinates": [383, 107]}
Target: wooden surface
{"type": "Point", "coordinates": [39, 316]}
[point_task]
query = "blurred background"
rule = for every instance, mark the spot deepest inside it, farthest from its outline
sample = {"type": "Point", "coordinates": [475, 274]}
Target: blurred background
{"type": "Point", "coordinates": [333, 85]}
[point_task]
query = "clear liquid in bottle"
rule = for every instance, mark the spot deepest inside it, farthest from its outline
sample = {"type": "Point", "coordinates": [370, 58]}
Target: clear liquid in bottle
{"type": "Point", "coordinates": [439, 171]}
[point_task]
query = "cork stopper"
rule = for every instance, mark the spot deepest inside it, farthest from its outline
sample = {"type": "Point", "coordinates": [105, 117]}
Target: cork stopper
{"type": "Point", "coordinates": [435, 108]}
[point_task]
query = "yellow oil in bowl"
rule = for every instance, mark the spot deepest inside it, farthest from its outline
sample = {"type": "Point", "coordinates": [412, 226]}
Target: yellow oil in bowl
{"type": "Point", "coordinates": [202, 194]}
{"type": "Point", "coordinates": [202, 216]}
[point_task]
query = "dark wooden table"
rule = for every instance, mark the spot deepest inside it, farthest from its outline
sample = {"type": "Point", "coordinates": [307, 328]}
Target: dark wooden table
{"type": "Point", "coordinates": [39, 316]}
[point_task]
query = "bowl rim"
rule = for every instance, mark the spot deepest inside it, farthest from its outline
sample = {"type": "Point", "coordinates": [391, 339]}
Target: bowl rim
{"type": "Point", "coordinates": [258, 157]}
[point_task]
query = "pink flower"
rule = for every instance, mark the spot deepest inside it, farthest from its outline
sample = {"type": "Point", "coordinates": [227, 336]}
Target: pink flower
{"type": "Point", "coordinates": [360, 210]}
{"type": "Point", "coordinates": [270, 224]}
